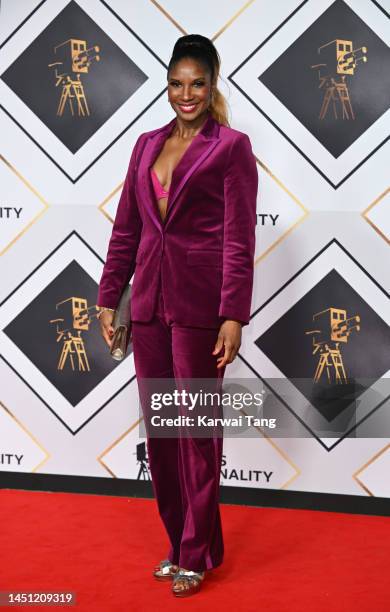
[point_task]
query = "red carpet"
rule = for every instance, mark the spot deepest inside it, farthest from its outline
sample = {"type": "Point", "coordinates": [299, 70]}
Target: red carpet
{"type": "Point", "coordinates": [104, 548]}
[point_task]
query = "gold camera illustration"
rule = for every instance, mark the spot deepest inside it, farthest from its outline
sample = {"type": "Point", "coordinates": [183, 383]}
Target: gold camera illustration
{"type": "Point", "coordinates": [339, 60]}
{"type": "Point", "coordinates": [75, 318]}
{"type": "Point", "coordinates": [332, 328]}
{"type": "Point", "coordinates": [73, 58]}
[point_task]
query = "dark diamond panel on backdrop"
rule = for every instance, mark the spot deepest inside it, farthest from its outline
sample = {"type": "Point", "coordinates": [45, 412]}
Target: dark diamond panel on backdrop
{"type": "Point", "coordinates": [74, 77]}
{"type": "Point", "coordinates": [58, 331]}
{"type": "Point", "coordinates": [350, 62]}
{"type": "Point", "coordinates": [328, 343]}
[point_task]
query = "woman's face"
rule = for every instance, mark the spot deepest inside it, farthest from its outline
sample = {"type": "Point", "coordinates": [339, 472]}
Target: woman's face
{"type": "Point", "coordinates": [189, 89]}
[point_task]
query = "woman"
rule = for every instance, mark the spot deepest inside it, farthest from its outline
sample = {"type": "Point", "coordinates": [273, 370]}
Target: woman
{"type": "Point", "coordinates": [186, 226]}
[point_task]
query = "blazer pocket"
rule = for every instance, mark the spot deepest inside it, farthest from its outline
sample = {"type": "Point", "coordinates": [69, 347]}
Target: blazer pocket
{"type": "Point", "coordinates": [205, 257]}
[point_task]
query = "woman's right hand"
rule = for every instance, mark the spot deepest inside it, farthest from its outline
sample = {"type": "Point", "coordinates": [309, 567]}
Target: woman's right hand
{"type": "Point", "coordinates": [106, 328]}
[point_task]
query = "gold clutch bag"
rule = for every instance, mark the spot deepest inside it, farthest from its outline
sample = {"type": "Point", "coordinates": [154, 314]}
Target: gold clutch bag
{"type": "Point", "coordinates": [122, 326]}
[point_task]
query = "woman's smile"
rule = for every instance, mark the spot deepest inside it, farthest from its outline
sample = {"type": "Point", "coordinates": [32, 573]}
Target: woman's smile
{"type": "Point", "coordinates": [187, 108]}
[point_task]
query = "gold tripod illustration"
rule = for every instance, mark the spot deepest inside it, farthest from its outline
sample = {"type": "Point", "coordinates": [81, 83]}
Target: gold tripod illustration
{"type": "Point", "coordinates": [336, 92]}
{"type": "Point", "coordinates": [333, 328]}
{"type": "Point", "coordinates": [70, 90]}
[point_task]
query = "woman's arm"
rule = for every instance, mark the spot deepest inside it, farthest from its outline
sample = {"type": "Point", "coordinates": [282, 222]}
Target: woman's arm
{"type": "Point", "coordinates": [124, 241]}
{"type": "Point", "coordinates": [240, 192]}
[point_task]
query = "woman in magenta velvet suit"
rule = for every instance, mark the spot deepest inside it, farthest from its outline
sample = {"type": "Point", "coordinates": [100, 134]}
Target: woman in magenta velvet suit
{"type": "Point", "coordinates": [185, 227]}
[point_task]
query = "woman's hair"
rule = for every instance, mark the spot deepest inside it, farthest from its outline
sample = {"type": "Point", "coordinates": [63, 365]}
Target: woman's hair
{"type": "Point", "coordinates": [202, 49]}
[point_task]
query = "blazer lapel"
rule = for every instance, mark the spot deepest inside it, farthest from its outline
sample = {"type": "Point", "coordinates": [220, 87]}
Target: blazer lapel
{"type": "Point", "coordinates": [151, 150]}
{"type": "Point", "coordinates": [199, 149]}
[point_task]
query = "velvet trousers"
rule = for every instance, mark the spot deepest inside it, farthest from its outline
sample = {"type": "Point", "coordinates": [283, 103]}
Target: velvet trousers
{"type": "Point", "coordinates": [185, 470]}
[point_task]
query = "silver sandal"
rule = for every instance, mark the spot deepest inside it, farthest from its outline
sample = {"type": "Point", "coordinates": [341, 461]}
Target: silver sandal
{"type": "Point", "coordinates": [187, 583]}
{"type": "Point", "coordinates": [165, 570]}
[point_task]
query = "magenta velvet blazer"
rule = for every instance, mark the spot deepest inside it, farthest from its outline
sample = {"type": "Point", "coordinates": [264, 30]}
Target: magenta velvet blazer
{"type": "Point", "coordinates": [205, 248]}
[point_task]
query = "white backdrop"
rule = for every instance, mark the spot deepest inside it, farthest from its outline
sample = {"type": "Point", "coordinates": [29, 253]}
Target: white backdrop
{"type": "Point", "coordinates": [322, 233]}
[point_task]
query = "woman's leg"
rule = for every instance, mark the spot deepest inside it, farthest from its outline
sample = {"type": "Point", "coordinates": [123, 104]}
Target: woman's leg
{"type": "Point", "coordinates": [152, 346]}
{"type": "Point", "coordinates": [200, 458]}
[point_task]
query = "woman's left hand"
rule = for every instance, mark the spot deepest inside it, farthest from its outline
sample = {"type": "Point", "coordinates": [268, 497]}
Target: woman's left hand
{"type": "Point", "coordinates": [229, 338]}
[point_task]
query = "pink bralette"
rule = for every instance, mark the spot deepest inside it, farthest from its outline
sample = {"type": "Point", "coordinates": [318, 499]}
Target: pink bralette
{"type": "Point", "coordinates": [158, 188]}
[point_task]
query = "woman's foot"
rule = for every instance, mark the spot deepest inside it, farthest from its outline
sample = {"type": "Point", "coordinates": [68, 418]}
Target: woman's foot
{"type": "Point", "coordinates": [165, 570]}
{"type": "Point", "coordinates": [186, 582]}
